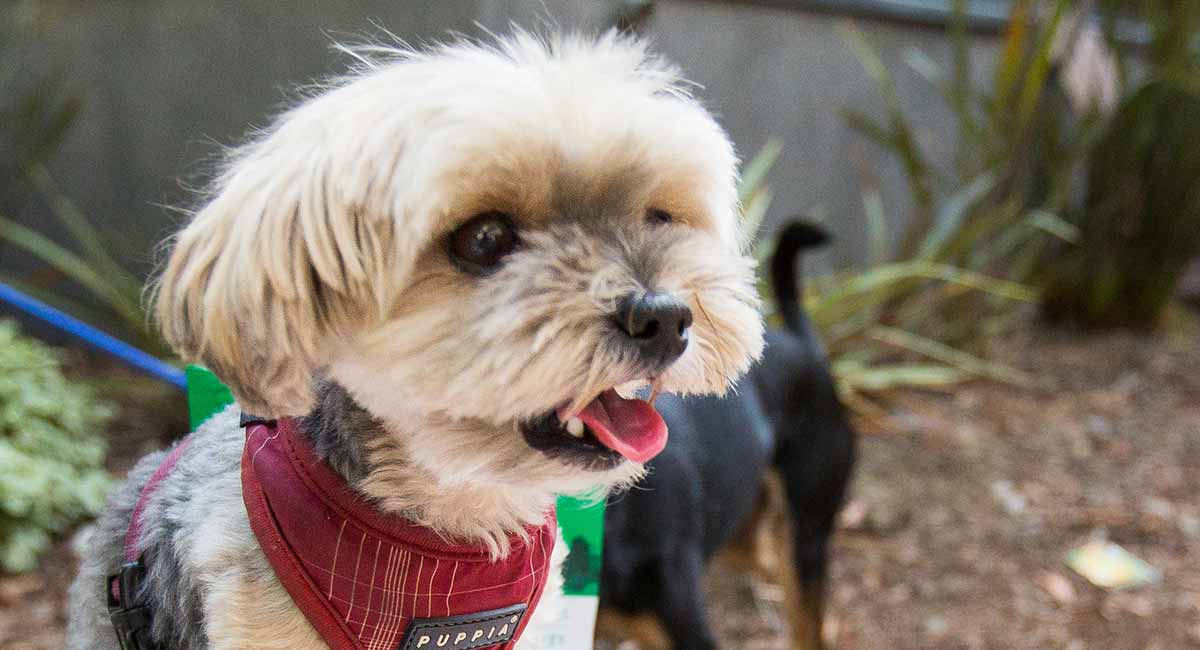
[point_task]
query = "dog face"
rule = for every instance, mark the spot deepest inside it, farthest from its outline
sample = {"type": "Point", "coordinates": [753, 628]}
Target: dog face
{"type": "Point", "coordinates": [479, 243]}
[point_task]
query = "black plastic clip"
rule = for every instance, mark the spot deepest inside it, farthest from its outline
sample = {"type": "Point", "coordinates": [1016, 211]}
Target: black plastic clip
{"type": "Point", "coordinates": [129, 616]}
{"type": "Point", "coordinates": [247, 420]}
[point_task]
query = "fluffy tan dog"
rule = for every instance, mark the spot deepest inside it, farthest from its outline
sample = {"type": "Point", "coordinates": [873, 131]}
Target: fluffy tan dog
{"type": "Point", "coordinates": [443, 264]}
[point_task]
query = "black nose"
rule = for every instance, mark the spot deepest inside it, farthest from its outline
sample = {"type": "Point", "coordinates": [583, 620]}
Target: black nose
{"type": "Point", "coordinates": [657, 322]}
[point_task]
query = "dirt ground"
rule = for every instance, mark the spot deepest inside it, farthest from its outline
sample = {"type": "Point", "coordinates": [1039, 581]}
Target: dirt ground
{"type": "Point", "coordinates": [960, 528]}
{"type": "Point", "coordinates": [957, 528]}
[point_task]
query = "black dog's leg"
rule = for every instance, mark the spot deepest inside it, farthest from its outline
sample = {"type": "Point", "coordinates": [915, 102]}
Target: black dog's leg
{"type": "Point", "coordinates": [810, 542]}
{"type": "Point", "coordinates": [681, 607]}
{"type": "Point", "coordinates": [816, 470]}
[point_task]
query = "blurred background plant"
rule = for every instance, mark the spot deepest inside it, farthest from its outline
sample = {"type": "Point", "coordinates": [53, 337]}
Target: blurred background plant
{"type": "Point", "coordinates": [918, 314]}
{"type": "Point", "coordinates": [1139, 217]}
{"type": "Point", "coordinates": [52, 448]}
{"type": "Point", "coordinates": [37, 109]}
{"type": "Point", "coordinates": [1037, 193]}
{"type": "Point", "coordinates": [852, 309]}
{"type": "Point", "coordinates": [1074, 185]}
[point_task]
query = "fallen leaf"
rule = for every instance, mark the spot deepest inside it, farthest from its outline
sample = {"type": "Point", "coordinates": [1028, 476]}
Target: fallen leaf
{"type": "Point", "coordinates": [1109, 566]}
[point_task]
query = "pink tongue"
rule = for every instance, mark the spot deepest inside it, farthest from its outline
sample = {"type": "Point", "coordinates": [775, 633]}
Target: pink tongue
{"type": "Point", "coordinates": [630, 427]}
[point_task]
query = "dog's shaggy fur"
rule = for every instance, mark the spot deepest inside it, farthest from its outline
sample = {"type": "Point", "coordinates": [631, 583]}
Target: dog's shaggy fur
{"type": "Point", "coordinates": [315, 281]}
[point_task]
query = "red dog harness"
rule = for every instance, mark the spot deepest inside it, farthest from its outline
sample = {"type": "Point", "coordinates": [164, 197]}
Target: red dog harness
{"type": "Point", "coordinates": [364, 580]}
{"type": "Point", "coordinates": [127, 609]}
{"type": "Point", "coordinates": [368, 580]}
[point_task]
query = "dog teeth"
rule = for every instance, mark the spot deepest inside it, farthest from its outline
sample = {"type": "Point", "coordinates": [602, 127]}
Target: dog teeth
{"type": "Point", "coordinates": [575, 427]}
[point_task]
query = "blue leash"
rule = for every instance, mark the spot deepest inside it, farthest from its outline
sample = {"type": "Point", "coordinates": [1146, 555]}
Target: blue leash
{"type": "Point", "coordinates": [125, 352]}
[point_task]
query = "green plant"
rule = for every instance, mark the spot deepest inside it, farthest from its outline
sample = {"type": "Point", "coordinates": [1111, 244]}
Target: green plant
{"type": "Point", "coordinates": [995, 207]}
{"type": "Point", "coordinates": [51, 450]}
{"type": "Point", "coordinates": [914, 315]}
{"type": "Point", "coordinates": [1105, 252]}
{"type": "Point", "coordinates": [855, 309]}
{"type": "Point", "coordinates": [1139, 220]}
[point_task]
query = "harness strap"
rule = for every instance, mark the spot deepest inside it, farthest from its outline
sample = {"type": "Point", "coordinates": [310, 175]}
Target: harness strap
{"type": "Point", "coordinates": [134, 532]}
{"type": "Point", "coordinates": [367, 578]}
{"type": "Point", "coordinates": [130, 616]}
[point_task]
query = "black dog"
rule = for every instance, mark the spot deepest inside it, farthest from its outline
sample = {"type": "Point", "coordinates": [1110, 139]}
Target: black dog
{"type": "Point", "coordinates": [705, 487]}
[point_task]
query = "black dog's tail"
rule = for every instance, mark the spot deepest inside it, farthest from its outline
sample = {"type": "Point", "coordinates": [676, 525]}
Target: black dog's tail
{"type": "Point", "coordinates": [797, 236]}
{"type": "Point", "coordinates": [814, 452]}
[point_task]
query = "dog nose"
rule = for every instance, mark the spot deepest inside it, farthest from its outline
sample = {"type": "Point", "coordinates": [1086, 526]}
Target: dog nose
{"type": "Point", "coordinates": [657, 322]}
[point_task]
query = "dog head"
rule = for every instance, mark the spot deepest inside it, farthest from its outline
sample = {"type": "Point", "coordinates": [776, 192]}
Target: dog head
{"type": "Point", "coordinates": [480, 243]}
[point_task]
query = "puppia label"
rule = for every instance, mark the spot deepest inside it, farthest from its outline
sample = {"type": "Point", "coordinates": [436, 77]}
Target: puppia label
{"type": "Point", "coordinates": [464, 632]}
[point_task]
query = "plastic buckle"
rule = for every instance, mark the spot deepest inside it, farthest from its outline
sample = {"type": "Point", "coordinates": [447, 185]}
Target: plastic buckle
{"type": "Point", "coordinates": [247, 420]}
{"type": "Point", "coordinates": [130, 619]}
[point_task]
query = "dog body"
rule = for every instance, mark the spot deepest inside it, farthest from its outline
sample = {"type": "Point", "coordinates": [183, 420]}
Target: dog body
{"type": "Point", "coordinates": [708, 483]}
{"type": "Point", "coordinates": [452, 266]}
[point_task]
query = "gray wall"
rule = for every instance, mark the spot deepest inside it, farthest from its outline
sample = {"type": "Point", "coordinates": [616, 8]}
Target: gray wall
{"type": "Point", "coordinates": [164, 81]}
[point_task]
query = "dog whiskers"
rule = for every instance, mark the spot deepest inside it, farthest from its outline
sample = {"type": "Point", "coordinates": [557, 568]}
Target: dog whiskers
{"type": "Point", "coordinates": [592, 386]}
{"type": "Point", "coordinates": [725, 375]}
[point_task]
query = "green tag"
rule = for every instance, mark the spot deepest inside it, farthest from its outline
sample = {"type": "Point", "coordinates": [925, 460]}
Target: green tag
{"type": "Point", "coordinates": [581, 523]}
{"type": "Point", "coordinates": [206, 395]}
{"type": "Point", "coordinates": [572, 626]}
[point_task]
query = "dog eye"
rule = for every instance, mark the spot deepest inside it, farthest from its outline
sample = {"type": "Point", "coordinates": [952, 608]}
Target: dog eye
{"type": "Point", "coordinates": [656, 216]}
{"type": "Point", "coordinates": [479, 245]}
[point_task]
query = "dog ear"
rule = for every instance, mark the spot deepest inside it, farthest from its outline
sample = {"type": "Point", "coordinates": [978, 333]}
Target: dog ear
{"type": "Point", "coordinates": [284, 260]}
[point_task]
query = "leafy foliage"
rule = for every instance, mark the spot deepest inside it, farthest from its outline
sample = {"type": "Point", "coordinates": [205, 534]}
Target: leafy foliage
{"type": "Point", "coordinates": [915, 314]}
{"type": "Point", "coordinates": [1140, 216]}
{"type": "Point", "coordinates": [995, 207]}
{"type": "Point", "coordinates": [981, 223]}
{"type": "Point", "coordinates": [1107, 251]}
{"type": "Point", "coordinates": [856, 310]}
{"type": "Point", "coordinates": [51, 450]}
{"type": "Point", "coordinates": [1006, 218]}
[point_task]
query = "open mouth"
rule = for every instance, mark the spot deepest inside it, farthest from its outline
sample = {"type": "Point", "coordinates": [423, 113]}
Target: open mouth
{"type": "Point", "coordinates": [606, 430]}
